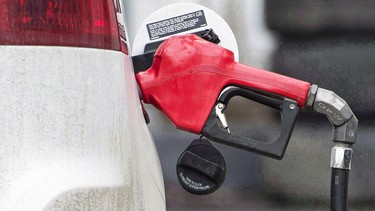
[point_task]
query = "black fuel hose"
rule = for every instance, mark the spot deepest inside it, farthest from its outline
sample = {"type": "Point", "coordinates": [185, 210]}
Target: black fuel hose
{"type": "Point", "coordinates": [339, 189]}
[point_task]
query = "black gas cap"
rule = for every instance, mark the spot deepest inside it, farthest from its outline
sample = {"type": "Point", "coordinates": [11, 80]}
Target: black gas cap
{"type": "Point", "coordinates": [201, 168]}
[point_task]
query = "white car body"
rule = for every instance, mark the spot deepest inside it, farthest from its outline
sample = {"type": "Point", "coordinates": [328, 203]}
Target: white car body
{"type": "Point", "coordinates": [72, 132]}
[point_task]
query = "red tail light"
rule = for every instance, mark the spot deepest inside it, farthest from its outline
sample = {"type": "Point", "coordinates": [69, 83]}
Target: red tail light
{"type": "Point", "coordinates": [80, 23]}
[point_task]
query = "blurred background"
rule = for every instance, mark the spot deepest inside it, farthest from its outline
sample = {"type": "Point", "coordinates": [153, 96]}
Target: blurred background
{"type": "Point", "coordinates": [328, 43]}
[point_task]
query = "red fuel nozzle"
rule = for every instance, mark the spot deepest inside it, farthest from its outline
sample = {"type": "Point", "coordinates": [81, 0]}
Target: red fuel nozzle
{"type": "Point", "coordinates": [189, 73]}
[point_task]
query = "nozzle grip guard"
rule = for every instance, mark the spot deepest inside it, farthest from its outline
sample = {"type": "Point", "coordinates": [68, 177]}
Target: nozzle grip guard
{"type": "Point", "coordinates": [276, 149]}
{"type": "Point", "coordinates": [262, 98]}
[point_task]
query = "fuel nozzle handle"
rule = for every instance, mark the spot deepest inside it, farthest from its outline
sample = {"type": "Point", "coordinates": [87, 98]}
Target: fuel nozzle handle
{"type": "Point", "coordinates": [188, 74]}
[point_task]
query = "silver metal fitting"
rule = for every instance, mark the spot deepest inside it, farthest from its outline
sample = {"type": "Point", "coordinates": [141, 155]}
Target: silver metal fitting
{"type": "Point", "coordinates": [341, 157]}
{"type": "Point", "coordinates": [311, 97]}
{"type": "Point", "coordinates": [333, 106]}
{"type": "Point", "coordinates": [339, 114]}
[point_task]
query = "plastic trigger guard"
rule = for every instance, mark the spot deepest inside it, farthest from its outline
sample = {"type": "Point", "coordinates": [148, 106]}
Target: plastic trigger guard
{"type": "Point", "coordinates": [276, 149]}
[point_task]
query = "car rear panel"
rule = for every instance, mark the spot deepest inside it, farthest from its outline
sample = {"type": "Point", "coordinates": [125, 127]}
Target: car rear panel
{"type": "Point", "coordinates": [72, 133]}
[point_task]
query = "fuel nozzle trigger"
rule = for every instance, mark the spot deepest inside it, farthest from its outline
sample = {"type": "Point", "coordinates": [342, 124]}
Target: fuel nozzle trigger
{"type": "Point", "coordinates": [219, 111]}
{"type": "Point", "coordinates": [216, 127]}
